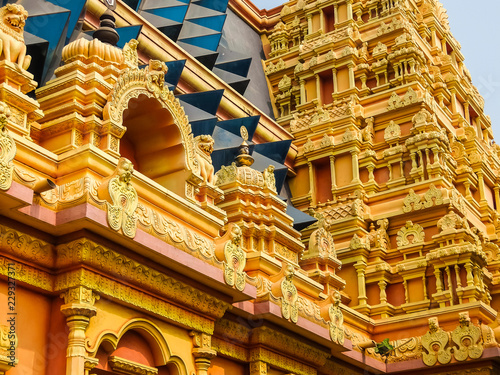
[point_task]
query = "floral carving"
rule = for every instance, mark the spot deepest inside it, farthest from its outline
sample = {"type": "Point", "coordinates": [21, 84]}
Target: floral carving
{"type": "Point", "coordinates": [451, 222]}
{"type": "Point", "coordinates": [435, 342]}
{"type": "Point", "coordinates": [412, 202]}
{"type": "Point", "coordinates": [396, 102]}
{"type": "Point", "coordinates": [121, 198]}
{"type": "Point", "coordinates": [229, 251]}
{"type": "Point", "coordinates": [467, 336]}
{"type": "Point", "coordinates": [433, 197]}
{"type": "Point", "coordinates": [410, 234]}
{"type": "Point", "coordinates": [7, 149]}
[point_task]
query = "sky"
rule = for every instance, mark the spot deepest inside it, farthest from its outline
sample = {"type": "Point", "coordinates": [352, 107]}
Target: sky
{"type": "Point", "coordinates": [477, 29]}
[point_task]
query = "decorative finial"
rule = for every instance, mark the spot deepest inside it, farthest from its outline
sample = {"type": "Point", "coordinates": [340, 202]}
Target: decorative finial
{"type": "Point", "coordinates": [244, 158]}
{"type": "Point", "coordinates": [106, 32]}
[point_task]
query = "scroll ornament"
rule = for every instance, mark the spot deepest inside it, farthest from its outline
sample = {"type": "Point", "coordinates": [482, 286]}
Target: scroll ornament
{"type": "Point", "coordinates": [288, 293]}
{"type": "Point", "coordinates": [467, 336]}
{"type": "Point", "coordinates": [121, 198]}
{"type": "Point", "coordinates": [230, 252]}
{"type": "Point", "coordinates": [7, 149]}
{"type": "Point", "coordinates": [336, 323]}
{"type": "Point", "coordinates": [435, 342]}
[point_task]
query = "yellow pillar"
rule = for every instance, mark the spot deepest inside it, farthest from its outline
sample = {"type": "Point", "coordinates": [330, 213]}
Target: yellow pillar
{"type": "Point", "coordinates": [202, 352]}
{"type": "Point", "coordinates": [78, 309]}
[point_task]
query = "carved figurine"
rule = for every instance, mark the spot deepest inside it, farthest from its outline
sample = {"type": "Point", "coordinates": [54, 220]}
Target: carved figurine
{"type": "Point", "coordinates": [204, 146]}
{"type": "Point", "coordinates": [130, 54]}
{"type": "Point", "coordinates": [269, 179]}
{"type": "Point", "coordinates": [12, 46]}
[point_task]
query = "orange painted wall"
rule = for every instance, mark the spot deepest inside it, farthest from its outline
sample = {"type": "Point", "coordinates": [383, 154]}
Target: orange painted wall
{"type": "Point", "coordinates": [223, 366]}
{"type": "Point", "coordinates": [343, 170]}
{"type": "Point", "coordinates": [32, 328]}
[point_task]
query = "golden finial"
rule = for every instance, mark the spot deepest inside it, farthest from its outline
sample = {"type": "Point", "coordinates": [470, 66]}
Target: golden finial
{"type": "Point", "coordinates": [244, 133]}
{"type": "Point", "coordinates": [244, 158]}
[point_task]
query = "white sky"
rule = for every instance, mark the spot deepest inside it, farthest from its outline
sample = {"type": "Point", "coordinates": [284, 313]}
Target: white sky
{"type": "Point", "coordinates": [478, 30]}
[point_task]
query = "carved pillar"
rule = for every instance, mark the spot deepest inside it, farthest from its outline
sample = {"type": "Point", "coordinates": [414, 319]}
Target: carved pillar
{"type": "Point", "coordinates": [434, 37]}
{"type": "Point", "coordinates": [352, 83]}
{"type": "Point", "coordinates": [318, 89]}
{"type": "Point", "coordinates": [453, 101]}
{"type": "Point", "coordinates": [349, 9]}
{"type": "Point", "coordinates": [424, 284]}
{"type": "Point", "coordinates": [202, 352]}
{"type": "Point", "coordinates": [383, 295]}
{"type": "Point", "coordinates": [78, 308]}
{"type": "Point", "coordinates": [439, 283]}
{"type": "Point", "coordinates": [335, 13]}
{"type": "Point", "coordinates": [322, 20]}
{"type": "Point", "coordinates": [355, 166]}
{"type": "Point", "coordinates": [450, 285]}
{"type": "Point", "coordinates": [335, 81]}
{"type": "Point", "coordinates": [312, 192]}
{"type": "Point", "coordinates": [309, 23]}
{"type": "Point", "coordinates": [360, 267]}
{"type": "Point", "coordinates": [480, 182]}
{"type": "Point", "coordinates": [466, 112]}
{"type": "Point", "coordinates": [497, 197]}
{"type": "Point", "coordinates": [470, 277]}
{"type": "Point", "coordinates": [332, 172]}
{"type": "Point", "coordinates": [302, 91]}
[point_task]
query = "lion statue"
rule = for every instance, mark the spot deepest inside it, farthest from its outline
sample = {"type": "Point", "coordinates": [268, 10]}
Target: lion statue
{"type": "Point", "coordinates": [204, 146]}
{"type": "Point", "coordinates": [12, 46]}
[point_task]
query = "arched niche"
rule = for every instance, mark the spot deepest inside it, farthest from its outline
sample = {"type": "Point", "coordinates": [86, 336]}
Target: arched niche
{"type": "Point", "coordinates": [147, 124]}
{"type": "Point", "coordinates": [138, 341]}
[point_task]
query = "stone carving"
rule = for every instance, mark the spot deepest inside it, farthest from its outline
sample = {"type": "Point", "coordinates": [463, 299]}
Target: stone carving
{"type": "Point", "coordinates": [326, 141]}
{"type": "Point", "coordinates": [130, 55]}
{"type": "Point", "coordinates": [358, 243]}
{"type": "Point", "coordinates": [368, 132]}
{"type": "Point", "coordinates": [285, 84]}
{"type": "Point", "coordinates": [226, 174]}
{"type": "Point", "coordinates": [389, 27]}
{"type": "Point", "coordinates": [12, 47]}
{"type": "Point", "coordinates": [379, 238]}
{"type": "Point", "coordinates": [380, 49]}
{"type": "Point", "coordinates": [467, 336]}
{"type": "Point", "coordinates": [396, 102]}
{"type": "Point", "coordinates": [229, 251]}
{"type": "Point", "coordinates": [451, 222]}
{"type": "Point", "coordinates": [435, 342]}
{"type": "Point", "coordinates": [410, 234]}
{"type": "Point", "coordinates": [349, 135]}
{"type": "Point", "coordinates": [271, 68]}
{"type": "Point", "coordinates": [286, 291]}
{"type": "Point", "coordinates": [269, 178]}
{"type": "Point", "coordinates": [7, 149]}
{"type": "Point", "coordinates": [121, 198]}
{"type": "Point", "coordinates": [309, 146]}
{"type": "Point", "coordinates": [336, 323]}
{"type": "Point", "coordinates": [392, 132]}
{"type": "Point", "coordinates": [321, 244]}
{"type": "Point", "coordinates": [155, 79]}
{"type": "Point", "coordinates": [433, 197]}
{"type": "Point", "coordinates": [204, 146]}
{"type": "Point", "coordinates": [124, 366]}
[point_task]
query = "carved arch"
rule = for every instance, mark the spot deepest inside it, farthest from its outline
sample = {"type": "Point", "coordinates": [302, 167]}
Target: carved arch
{"type": "Point", "coordinates": [150, 333]}
{"type": "Point", "coordinates": [135, 85]}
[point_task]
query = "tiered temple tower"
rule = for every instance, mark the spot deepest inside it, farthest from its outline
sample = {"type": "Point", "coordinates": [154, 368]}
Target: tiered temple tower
{"type": "Point", "coordinates": [395, 155]}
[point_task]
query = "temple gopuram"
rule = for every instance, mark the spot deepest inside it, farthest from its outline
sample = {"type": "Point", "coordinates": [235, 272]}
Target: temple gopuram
{"type": "Point", "coordinates": [200, 187]}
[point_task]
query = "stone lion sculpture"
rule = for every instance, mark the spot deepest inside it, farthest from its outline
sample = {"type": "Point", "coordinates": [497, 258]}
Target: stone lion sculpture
{"type": "Point", "coordinates": [12, 46]}
{"type": "Point", "coordinates": [204, 146]}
